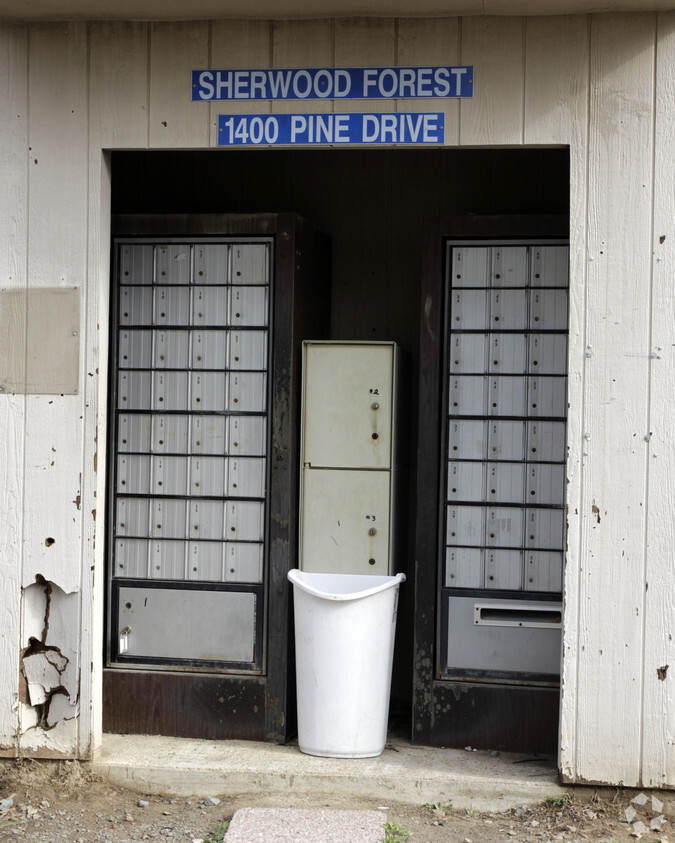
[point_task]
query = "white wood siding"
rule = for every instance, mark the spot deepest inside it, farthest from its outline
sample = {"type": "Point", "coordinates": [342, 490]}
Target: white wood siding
{"type": "Point", "coordinates": [604, 85]}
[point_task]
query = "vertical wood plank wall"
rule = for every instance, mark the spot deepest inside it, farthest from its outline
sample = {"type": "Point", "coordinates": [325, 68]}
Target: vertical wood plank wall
{"type": "Point", "coordinates": [602, 84]}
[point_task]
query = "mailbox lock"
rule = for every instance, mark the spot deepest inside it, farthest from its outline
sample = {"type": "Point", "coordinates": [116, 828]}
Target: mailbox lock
{"type": "Point", "coordinates": [126, 630]}
{"type": "Point", "coordinates": [372, 531]}
{"type": "Point", "coordinates": [375, 406]}
{"type": "Point", "coordinates": [371, 561]}
{"type": "Point", "coordinates": [376, 435]}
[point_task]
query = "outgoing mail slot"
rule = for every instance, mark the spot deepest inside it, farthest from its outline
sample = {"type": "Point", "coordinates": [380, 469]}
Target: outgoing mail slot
{"type": "Point", "coordinates": [506, 354]}
{"type": "Point", "coordinates": [132, 517]}
{"type": "Point", "coordinates": [171, 306]}
{"type": "Point", "coordinates": [504, 569]}
{"type": "Point", "coordinates": [465, 481]}
{"type": "Point", "coordinates": [205, 561]}
{"type": "Point", "coordinates": [246, 477]}
{"type": "Point", "coordinates": [470, 266]}
{"type": "Point", "coordinates": [467, 395]}
{"type": "Point", "coordinates": [135, 305]}
{"type": "Point", "coordinates": [136, 264]}
{"type": "Point", "coordinates": [246, 392]}
{"type": "Point", "coordinates": [546, 441]}
{"type": "Point", "coordinates": [135, 349]}
{"type": "Point", "coordinates": [173, 264]}
{"type": "Point", "coordinates": [210, 263]}
{"type": "Point", "coordinates": [548, 310]}
{"type": "Point", "coordinates": [543, 570]}
{"type": "Point", "coordinates": [133, 432]}
{"type": "Point", "coordinates": [209, 305]}
{"type": "Point", "coordinates": [207, 392]}
{"type": "Point", "coordinates": [170, 391]}
{"type": "Point", "coordinates": [504, 527]}
{"type": "Point", "coordinates": [168, 519]}
{"type": "Point", "coordinates": [246, 436]}
{"type": "Point", "coordinates": [209, 349]}
{"type": "Point", "coordinates": [544, 529]}
{"type": "Point", "coordinates": [465, 525]}
{"type": "Point", "coordinates": [467, 354]}
{"type": "Point", "coordinates": [133, 474]}
{"type": "Point", "coordinates": [244, 521]}
{"type": "Point", "coordinates": [208, 476]}
{"type": "Point", "coordinates": [469, 310]}
{"type": "Point", "coordinates": [506, 440]}
{"type": "Point", "coordinates": [506, 395]}
{"type": "Point", "coordinates": [171, 349]}
{"type": "Point", "coordinates": [508, 310]}
{"type": "Point", "coordinates": [547, 396]}
{"type": "Point", "coordinates": [134, 390]}
{"type": "Point", "coordinates": [505, 482]}
{"type": "Point", "coordinates": [169, 475]}
{"type": "Point", "coordinates": [248, 306]}
{"type": "Point", "coordinates": [509, 266]}
{"type": "Point", "coordinates": [243, 562]}
{"type": "Point", "coordinates": [546, 484]}
{"type": "Point", "coordinates": [249, 263]}
{"type": "Point", "coordinates": [131, 558]}
{"type": "Point", "coordinates": [247, 350]}
{"type": "Point", "coordinates": [463, 567]}
{"type": "Point", "coordinates": [467, 439]}
{"type": "Point", "coordinates": [208, 435]}
{"type": "Point", "coordinates": [521, 614]}
{"type": "Point", "coordinates": [207, 519]}
{"type": "Point", "coordinates": [167, 560]}
{"type": "Point", "coordinates": [548, 354]}
{"type": "Point", "coordinates": [169, 434]}
{"type": "Point", "coordinates": [549, 266]}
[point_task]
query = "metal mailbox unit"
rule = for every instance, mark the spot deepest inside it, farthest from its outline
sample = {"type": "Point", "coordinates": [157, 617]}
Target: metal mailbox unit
{"type": "Point", "coordinates": [350, 457]}
{"type": "Point", "coordinates": [208, 316]}
{"type": "Point", "coordinates": [497, 376]}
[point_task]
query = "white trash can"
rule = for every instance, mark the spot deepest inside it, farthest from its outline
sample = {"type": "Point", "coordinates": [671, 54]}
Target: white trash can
{"type": "Point", "coordinates": [344, 648]}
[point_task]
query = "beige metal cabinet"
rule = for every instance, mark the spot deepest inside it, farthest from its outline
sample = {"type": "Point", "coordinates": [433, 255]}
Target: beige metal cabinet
{"type": "Point", "coordinates": [348, 457]}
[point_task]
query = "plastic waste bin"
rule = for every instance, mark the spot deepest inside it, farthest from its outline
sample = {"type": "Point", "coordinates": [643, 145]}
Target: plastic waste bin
{"type": "Point", "coordinates": [344, 647]}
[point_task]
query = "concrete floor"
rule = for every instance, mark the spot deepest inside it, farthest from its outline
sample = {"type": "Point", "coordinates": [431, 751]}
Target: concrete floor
{"type": "Point", "coordinates": [403, 773]}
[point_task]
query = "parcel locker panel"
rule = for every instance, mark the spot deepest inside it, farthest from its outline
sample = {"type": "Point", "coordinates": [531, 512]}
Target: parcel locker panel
{"type": "Point", "coordinates": [508, 310]}
{"type": "Point", "coordinates": [136, 305]}
{"type": "Point", "coordinates": [468, 354]}
{"type": "Point", "coordinates": [549, 266]}
{"type": "Point", "coordinates": [171, 305]}
{"type": "Point", "coordinates": [169, 475]}
{"type": "Point", "coordinates": [507, 354]}
{"type": "Point", "coordinates": [134, 432]}
{"type": "Point", "coordinates": [506, 440]}
{"type": "Point", "coordinates": [246, 477]}
{"type": "Point", "coordinates": [137, 263]}
{"type": "Point", "coordinates": [546, 441]}
{"type": "Point", "coordinates": [345, 521]}
{"type": "Point", "coordinates": [167, 560]}
{"type": "Point", "coordinates": [548, 354]}
{"type": "Point", "coordinates": [173, 264]}
{"type": "Point", "coordinates": [469, 310]}
{"type": "Point", "coordinates": [209, 349]}
{"type": "Point", "coordinates": [208, 476]}
{"type": "Point", "coordinates": [244, 562]}
{"type": "Point", "coordinates": [168, 519]}
{"type": "Point", "coordinates": [471, 266]}
{"type": "Point", "coordinates": [463, 567]}
{"type": "Point", "coordinates": [247, 350]}
{"type": "Point", "coordinates": [468, 395]}
{"type": "Point", "coordinates": [467, 439]}
{"type": "Point", "coordinates": [247, 436]}
{"type": "Point", "coordinates": [208, 435]}
{"type": "Point", "coordinates": [548, 310]}
{"type": "Point", "coordinates": [170, 434]}
{"type": "Point", "coordinates": [133, 474]}
{"type": "Point", "coordinates": [543, 570]}
{"type": "Point", "coordinates": [171, 349]}
{"type": "Point", "coordinates": [246, 392]}
{"type": "Point", "coordinates": [131, 558]}
{"type": "Point", "coordinates": [348, 395]}
{"type": "Point", "coordinates": [504, 569]}
{"type": "Point", "coordinates": [170, 391]}
{"type": "Point", "coordinates": [509, 266]}
{"type": "Point", "coordinates": [135, 349]}
{"type": "Point", "coordinates": [248, 307]}
{"type": "Point", "coordinates": [466, 481]}
{"type": "Point", "coordinates": [210, 263]}
{"type": "Point", "coordinates": [245, 521]}
{"type": "Point", "coordinates": [210, 305]}
{"type": "Point", "coordinates": [250, 262]}
{"type": "Point", "coordinates": [205, 561]}
{"type": "Point", "coordinates": [465, 525]}
{"type": "Point", "coordinates": [153, 618]}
